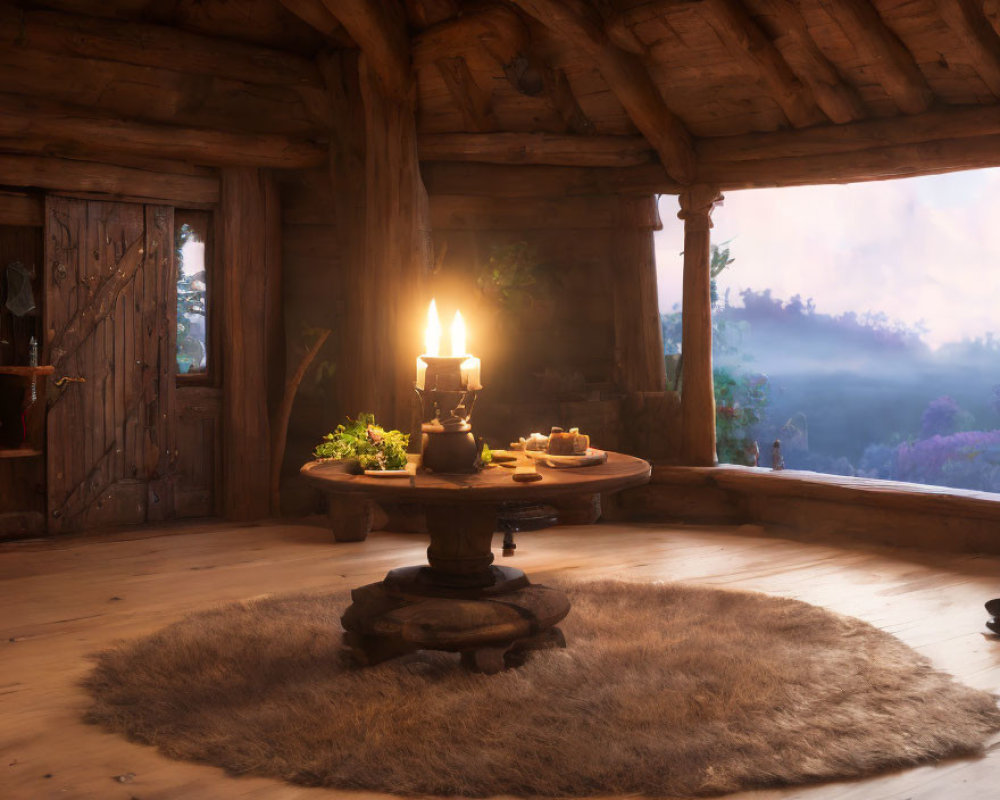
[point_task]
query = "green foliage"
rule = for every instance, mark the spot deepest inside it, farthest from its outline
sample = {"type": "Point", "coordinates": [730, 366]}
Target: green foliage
{"type": "Point", "coordinates": [717, 264]}
{"type": "Point", "coordinates": [725, 335]}
{"type": "Point", "coordinates": [373, 446]}
{"type": "Point", "coordinates": [511, 275]}
{"type": "Point", "coordinates": [740, 401]}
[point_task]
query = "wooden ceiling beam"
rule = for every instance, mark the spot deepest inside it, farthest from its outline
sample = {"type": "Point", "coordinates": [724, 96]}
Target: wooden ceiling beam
{"type": "Point", "coordinates": [819, 142]}
{"type": "Point", "coordinates": [513, 182]}
{"type": "Point", "coordinates": [496, 30]}
{"type": "Point", "coordinates": [991, 8]}
{"type": "Point", "coordinates": [424, 13]}
{"type": "Point", "coordinates": [794, 45]}
{"type": "Point", "coordinates": [877, 163]}
{"type": "Point", "coordinates": [746, 42]}
{"type": "Point", "coordinates": [882, 49]}
{"type": "Point", "coordinates": [315, 14]}
{"type": "Point", "coordinates": [871, 164]}
{"type": "Point", "coordinates": [581, 26]}
{"type": "Point", "coordinates": [504, 37]}
{"type": "Point", "coordinates": [536, 148]}
{"type": "Point", "coordinates": [70, 131]}
{"type": "Point", "coordinates": [561, 96]}
{"type": "Point", "coordinates": [980, 42]}
{"type": "Point", "coordinates": [839, 100]}
{"type": "Point", "coordinates": [378, 28]}
{"type": "Point", "coordinates": [146, 45]}
{"type": "Point", "coordinates": [474, 102]}
{"type": "Point", "coordinates": [70, 175]}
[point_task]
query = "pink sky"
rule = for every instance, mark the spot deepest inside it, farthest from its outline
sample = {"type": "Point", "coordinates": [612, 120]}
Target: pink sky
{"type": "Point", "coordinates": [922, 250]}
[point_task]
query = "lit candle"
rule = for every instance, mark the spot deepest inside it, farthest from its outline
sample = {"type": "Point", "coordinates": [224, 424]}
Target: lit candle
{"type": "Point", "coordinates": [458, 336]}
{"type": "Point", "coordinates": [432, 343]}
{"type": "Point", "coordinates": [432, 333]}
{"type": "Point", "coordinates": [469, 369]}
{"type": "Point", "coordinates": [421, 372]}
{"type": "Point", "coordinates": [470, 373]}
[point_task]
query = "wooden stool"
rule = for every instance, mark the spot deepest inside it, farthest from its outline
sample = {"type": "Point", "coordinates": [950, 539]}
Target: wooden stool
{"type": "Point", "coordinates": [516, 517]}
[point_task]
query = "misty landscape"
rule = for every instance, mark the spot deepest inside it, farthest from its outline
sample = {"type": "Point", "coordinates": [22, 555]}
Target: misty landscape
{"type": "Point", "coordinates": [849, 394]}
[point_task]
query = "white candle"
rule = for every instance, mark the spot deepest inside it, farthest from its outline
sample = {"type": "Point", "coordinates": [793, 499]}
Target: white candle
{"type": "Point", "coordinates": [470, 373]}
{"type": "Point", "coordinates": [421, 372]}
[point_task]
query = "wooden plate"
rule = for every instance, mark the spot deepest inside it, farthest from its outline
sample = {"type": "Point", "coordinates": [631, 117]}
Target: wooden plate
{"type": "Point", "coordinates": [590, 458]}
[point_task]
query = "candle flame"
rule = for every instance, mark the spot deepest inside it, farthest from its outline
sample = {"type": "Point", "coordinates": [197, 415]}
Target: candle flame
{"type": "Point", "coordinates": [458, 335]}
{"type": "Point", "coordinates": [432, 333]}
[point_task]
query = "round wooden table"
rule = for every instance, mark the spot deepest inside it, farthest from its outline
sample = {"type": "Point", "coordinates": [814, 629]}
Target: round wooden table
{"type": "Point", "coordinates": [459, 601]}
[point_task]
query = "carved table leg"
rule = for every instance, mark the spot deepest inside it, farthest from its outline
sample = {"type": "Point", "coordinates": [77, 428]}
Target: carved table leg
{"type": "Point", "coordinates": [461, 550]}
{"type": "Point", "coordinates": [350, 517]}
{"type": "Point", "coordinates": [460, 603]}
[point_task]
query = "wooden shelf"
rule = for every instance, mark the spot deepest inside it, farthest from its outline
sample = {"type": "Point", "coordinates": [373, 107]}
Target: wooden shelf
{"type": "Point", "coordinates": [27, 372]}
{"type": "Point", "coordinates": [19, 452]}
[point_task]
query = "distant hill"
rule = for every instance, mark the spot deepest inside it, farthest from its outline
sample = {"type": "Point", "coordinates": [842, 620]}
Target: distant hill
{"type": "Point", "coordinates": [839, 385]}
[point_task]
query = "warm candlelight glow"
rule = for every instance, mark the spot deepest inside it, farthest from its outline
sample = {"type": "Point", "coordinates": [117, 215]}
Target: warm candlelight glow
{"type": "Point", "coordinates": [471, 373]}
{"type": "Point", "coordinates": [458, 336]}
{"type": "Point", "coordinates": [432, 334]}
{"type": "Point", "coordinates": [467, 374]}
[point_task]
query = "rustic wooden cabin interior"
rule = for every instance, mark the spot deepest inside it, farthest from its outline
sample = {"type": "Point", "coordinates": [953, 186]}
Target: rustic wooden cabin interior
{"type": "Point", "coordinates": [328, 167]}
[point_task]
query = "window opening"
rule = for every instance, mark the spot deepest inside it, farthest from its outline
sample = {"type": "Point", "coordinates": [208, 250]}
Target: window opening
{"type": "Point", "coordinates": [191, 240]}
{"type": "Point", "coordinates": [856, 324]}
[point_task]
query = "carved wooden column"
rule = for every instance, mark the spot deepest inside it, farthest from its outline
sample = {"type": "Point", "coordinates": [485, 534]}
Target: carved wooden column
{"type": "Point", "coordinates": [698, 391]}
{"type": "Point", "coordinates": [639, 363]}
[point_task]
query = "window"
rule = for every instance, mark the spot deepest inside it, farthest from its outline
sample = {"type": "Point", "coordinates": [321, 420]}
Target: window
{"type": "Point", "coordinates": [857, 325]}
{"type": "Point", "coordinates": [192, 245]}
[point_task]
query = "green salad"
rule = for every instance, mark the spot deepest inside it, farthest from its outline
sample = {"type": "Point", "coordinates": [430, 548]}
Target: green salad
{"type": "Point", "coordinates": [361, 439]}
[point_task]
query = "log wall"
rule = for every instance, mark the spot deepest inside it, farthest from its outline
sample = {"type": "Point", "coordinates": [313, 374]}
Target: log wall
{"type": "Point", "coordinates": [313, 270]}
{"type": "Point", "coordinates": [155, 73]}
{"type": "Point", "coordinates": [570, 349]}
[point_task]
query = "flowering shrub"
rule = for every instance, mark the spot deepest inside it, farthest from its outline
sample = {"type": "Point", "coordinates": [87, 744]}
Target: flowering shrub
{"type": "Point", "coordinates": [740, 400]}
{"type": "Point", "coordinates": [939, 418]}
{"type": "Point", "coordinates": [967, 460]}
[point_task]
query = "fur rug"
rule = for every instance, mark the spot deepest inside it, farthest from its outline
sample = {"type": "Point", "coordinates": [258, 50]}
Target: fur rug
{"type": "Point", "coordinates": [663, 690]}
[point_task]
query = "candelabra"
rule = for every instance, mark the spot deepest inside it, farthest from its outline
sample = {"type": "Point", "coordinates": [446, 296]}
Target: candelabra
{"type": "Point", "coordinates": [446, 403]}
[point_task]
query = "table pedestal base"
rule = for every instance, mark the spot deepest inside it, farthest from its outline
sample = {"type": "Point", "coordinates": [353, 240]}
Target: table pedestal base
{"type": "Point", "coordinates": [493, 627]}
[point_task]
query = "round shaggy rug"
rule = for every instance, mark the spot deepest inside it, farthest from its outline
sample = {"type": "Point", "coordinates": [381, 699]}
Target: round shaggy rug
{"type": "Point", "coordinates": [663, 690]}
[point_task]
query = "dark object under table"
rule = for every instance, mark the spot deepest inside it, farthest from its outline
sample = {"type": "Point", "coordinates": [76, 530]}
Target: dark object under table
{"type": "Point", "coordinates": [459, 601]}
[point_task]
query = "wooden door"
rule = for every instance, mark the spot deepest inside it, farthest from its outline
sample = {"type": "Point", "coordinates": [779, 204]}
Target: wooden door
{"type": "Point", "coordinates": [109, 320]}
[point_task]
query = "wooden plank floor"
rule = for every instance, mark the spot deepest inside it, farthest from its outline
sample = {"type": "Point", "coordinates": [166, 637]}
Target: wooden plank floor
{"type": "Point", "coordinates": [61, 600]}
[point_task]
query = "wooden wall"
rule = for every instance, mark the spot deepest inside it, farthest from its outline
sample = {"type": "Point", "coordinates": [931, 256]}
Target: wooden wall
{"type": "Point", "coordinates": [129, 122]}
{"type": "Point", "coordinates": [574, 348]}
{"type": "Point", "coordinates": [313, 297]}
{"type": "Point", "coordinates": [820, 506]}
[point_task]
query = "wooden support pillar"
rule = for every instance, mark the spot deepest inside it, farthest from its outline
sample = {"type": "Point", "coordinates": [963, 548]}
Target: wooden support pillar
{"type": "Point", "coordinates": [698, 391]}
{"type": "Point", "coordinates": [383, 219]}
{"type": "Point", "coordinates": [639, 363]}
{"type": "Point", "coordinates": [397, 252]}
{"type": "Point", "coordinates": [251, 226]}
